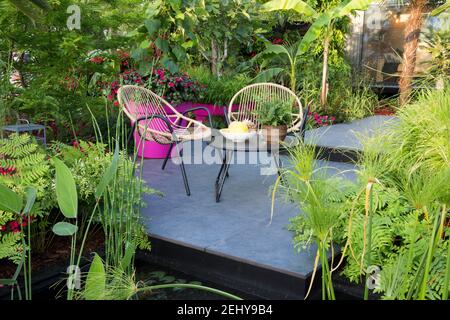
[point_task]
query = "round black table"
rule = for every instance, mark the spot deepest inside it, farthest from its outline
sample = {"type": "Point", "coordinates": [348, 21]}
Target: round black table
{"type": "Point", "coordinates": [253, 144]}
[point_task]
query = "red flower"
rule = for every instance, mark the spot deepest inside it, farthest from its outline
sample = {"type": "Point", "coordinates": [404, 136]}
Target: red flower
{"type": "Point", "coordinates": [116, 103]}
{"type": "Point", "coordinates": [123, 54]}
{"type": "Point", "coordinates": [171, 84]}
{"type": "Point", "coordinates": [13, 225]}
{"type": "Point", "coordinates": [97, 60]}
{"type": "Point", "coordinates": [277, 41]}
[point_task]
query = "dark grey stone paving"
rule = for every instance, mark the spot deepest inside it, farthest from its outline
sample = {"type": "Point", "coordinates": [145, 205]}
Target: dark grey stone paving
{"type": "Point", "coordinates": [345, 135]}
{"type": "Point", "coordinates": [238, 226]}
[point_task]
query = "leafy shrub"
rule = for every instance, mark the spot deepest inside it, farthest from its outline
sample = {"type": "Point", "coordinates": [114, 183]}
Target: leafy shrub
{"type": "Point", "coordinates": [274, 113]}
{"type": "Point", "coordinates": [24, 163]}
{"type": "Point", "coordinates": [408, 166]}
{"type": "Point", "coordinates": [345, 103]}
{"type": "Point", "coordinates": [218, 91]}
{"type": "Point", "coordinates": [348, 104]}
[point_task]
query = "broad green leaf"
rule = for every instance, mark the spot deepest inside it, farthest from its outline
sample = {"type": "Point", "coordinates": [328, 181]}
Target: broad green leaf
{"type": "Point", "coordinates": [153, 8]}
{"type": "Point", "coordinates": [64, 229]}
{"type": "Point", "coordinates": [169, 64]}
{"type": "Point", "coordinates": [276, 49]}
{"type": "Point", "coordinates": [138, 54]}
{"type": "Point", "coordinates": [132, 33]}
{"type": "Point", "coordinates": [28, 9]}
{"type": "Point", "coordinates": [66, 190]}
{"type": "Point", "coordinates": [30, 199]}
{"type": "Point", "coordinates": [96, 280]}
{"type": "Point", "coordinates": [109, 173]}
{"type": "Point", "coordinates": [299, 6]}
{"type": "Point", "coordinates": [9, 200]}
{"type": "Point", "coordinates": [187, 44]}
{"type": "Point", "coordinates": [179, 16]}
{"type": "Point", "coordinates": [152, 25]}
{"type": "Point", "coordinates": [162, 44]}
{"type": "Point", "coordinates": [179, 52]}
{"type": "Point", "coordinates": [439, 10]}
{"type": "Point", "coordinates": [129, 253]}
{"type": "Point", "coordinates": [313, 33]}
{"type": "Point", "coordinates": [348, 7]}
{"type": "Point", "coordinates": [267, 75]}
{"type": "Point", "coordinates": [41, 4]}
{"type": "Point", "coordinates": [175, 4]}
{"type": "Point", "coordinates": [145, 44]}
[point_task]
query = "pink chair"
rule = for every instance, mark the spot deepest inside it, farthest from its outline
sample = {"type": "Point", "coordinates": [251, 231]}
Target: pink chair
{"type": "Point", "coordinates": [149, 117]}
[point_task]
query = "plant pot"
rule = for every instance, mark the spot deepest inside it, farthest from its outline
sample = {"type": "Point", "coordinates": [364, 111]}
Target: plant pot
{"type": "Point", "coordinates": [274, 135]}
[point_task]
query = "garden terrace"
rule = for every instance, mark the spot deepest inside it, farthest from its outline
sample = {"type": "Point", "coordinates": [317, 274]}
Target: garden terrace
{"type": "Point", "coordinates": [95, 94]}
{"type": "Point", "coordinates": [232, 242]}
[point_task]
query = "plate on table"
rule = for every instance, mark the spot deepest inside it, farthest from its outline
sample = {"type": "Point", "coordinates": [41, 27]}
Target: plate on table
{"type": "Point", "coordinates": [237, 136]}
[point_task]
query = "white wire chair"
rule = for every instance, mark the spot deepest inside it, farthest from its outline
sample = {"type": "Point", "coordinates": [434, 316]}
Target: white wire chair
{"type": "Point", "coordinates": [248, 100]}
{"type": "Point", "coordinates": [157, 120]}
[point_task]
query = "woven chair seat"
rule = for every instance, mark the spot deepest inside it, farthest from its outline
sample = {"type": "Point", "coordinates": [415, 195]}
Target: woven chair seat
{"type": "Point", "coordinates": [196, 133]}
{"type": "Point", "coordinates": [179, 134]}
{"type": "Point", "coordinates": [159, 125]}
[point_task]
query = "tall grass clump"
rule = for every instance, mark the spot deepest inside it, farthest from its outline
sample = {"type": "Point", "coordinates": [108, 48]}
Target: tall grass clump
{"type": "Point", "coordinates": [405, 234]}
{"type": "Point", "coordinates": [319, 196]}
{"type": "Point", "coordinates": [421, 137]}
{"type": "Point", "coordinates": [392, 222]}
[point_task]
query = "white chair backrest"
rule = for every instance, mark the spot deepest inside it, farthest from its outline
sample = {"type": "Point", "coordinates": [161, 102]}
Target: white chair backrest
{"type": "Point", "coordinates": [140, 102]}
{"type": "Point", "coordinates": [248, 100]}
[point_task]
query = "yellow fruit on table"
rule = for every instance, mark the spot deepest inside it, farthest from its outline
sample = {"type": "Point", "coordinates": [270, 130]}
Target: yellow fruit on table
{"type": "Point", "coordinates": [238, 127]}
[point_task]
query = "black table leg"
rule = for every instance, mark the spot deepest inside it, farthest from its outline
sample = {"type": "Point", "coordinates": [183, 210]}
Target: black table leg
{"type": "Point", "coordinates": [223, 173]}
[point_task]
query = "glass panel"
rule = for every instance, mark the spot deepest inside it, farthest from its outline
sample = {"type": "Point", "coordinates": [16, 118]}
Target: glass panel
{"type": "Point", "coordinates": [383, 39]}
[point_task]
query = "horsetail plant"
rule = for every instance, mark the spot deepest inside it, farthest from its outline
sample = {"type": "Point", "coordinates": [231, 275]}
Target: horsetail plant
{"type": "Point", "coordinates": [67, 198]}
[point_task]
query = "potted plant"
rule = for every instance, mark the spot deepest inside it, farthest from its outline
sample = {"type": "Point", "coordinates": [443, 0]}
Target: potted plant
{"type": "Point", "coordinates": [274, 117]}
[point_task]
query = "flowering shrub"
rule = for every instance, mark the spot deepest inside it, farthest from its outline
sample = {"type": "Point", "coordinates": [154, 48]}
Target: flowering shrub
{"type": "Point", "coordinates": [176, 88]}
{"type": "Point", "coordinates": [15, 225]}
{"type": "Point", "coordinates": [317, 120]}
{"type": "Point", "coordinates": [98, 57]}
{"type": "Point", "coordinates": [128, 77]}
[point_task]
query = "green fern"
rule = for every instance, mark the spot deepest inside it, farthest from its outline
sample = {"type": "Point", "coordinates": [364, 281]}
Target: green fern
{"type": "Point", "coordinates": [31, 168]}
{"type": "Point", "coordinates": [11, 247]}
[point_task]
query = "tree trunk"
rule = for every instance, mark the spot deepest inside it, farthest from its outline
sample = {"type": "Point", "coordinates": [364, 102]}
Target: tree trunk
{"type": "Point", "coordinates": [324, 91]}
{"type": "Point", "coordinates": [214, 56]}
{"type": "Point", "coordinates": [412, 33]}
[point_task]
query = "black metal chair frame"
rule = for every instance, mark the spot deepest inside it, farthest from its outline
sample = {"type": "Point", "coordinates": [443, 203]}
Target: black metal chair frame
{"type": "Point", "coordinates": [226, 159]}
{"type": "Point", "coordinates": [13, 282]}
{"type": "Point", "coordinates": [175, 142]}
